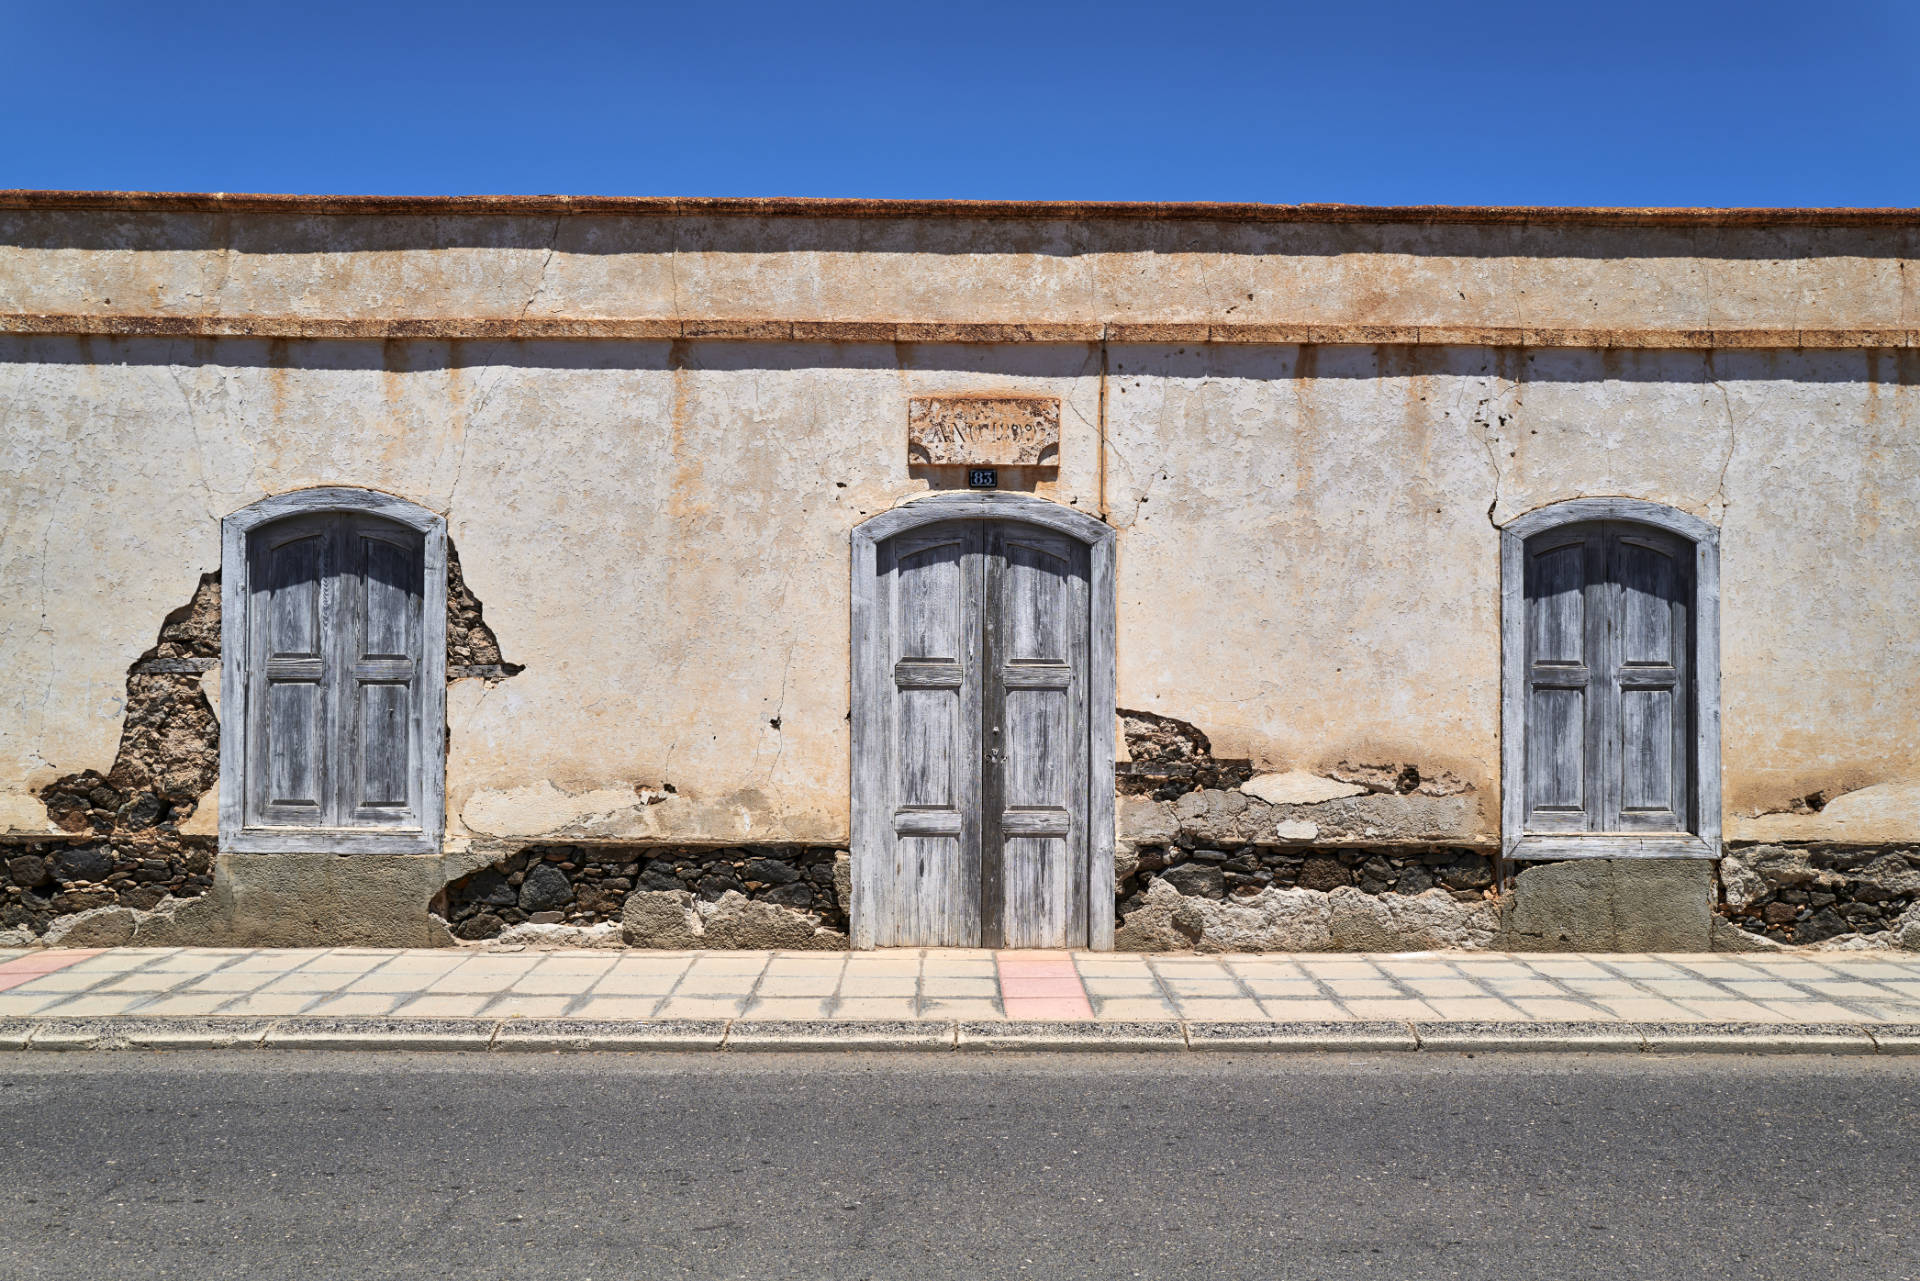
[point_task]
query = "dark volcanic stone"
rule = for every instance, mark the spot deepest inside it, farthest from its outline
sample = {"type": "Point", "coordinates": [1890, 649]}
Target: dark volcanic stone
{"type": "Point", "coordinates": [545, 889]}
{"type": "Point", "coordinates": [771, 871]}
{"type": "Point", "coordinates": [27, 870]}
{"type": "Point", "coordinates": [87, 863]}
{"type": "Point", "coordinates": [483, 926]}
{"type": "Point", "coordinates": [1198, 879]}
{"type": "Point", "coordinates": [491, 888]}
{"type": "Point", "coordinates": [1323, 873]}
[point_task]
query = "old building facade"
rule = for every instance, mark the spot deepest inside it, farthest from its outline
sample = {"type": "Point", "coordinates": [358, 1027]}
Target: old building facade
{"type": "Point", "coordinates": [841, 573]}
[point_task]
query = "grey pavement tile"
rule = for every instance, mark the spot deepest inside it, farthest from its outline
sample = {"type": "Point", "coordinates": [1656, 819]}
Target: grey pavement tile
{"type": "Point", "coordinates": [838, 1034]}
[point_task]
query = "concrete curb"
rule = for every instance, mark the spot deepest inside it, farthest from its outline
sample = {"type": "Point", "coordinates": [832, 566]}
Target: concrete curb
{"type": "Point", "coordinates": [1325, 1036]}
{"type": "Point", "coordinates": [748, 1035]}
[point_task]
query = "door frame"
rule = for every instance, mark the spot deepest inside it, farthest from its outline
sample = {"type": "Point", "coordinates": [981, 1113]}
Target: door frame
{"type": "Point", "coordinates": [1704, 840]}
{"type": "Point", "coordinates": [871, 681]}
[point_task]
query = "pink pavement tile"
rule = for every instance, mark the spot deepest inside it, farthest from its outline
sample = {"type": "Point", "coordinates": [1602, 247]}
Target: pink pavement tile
{"type": "Point", "coordinates": [1013, 985]}
{"type": "Point", "coordinates": [25, 969]}
{"type": "Point", "coordinates": [1047, 1007]}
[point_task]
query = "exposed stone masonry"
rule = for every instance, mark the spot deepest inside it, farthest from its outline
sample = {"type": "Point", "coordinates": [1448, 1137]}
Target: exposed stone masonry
{"type": "Point", "coordinates": [1810, 894]}
{"type": "Point", "coordinates": [1170, 758]}
{"type": "Point", "coordinates": [472, 648]}
{"type": "Point", "coordinates": [587, 885]}
{"type": "Point", "coordinates": [1244, 872]}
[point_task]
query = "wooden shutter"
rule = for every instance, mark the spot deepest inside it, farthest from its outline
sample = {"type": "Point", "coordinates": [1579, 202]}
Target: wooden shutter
{"type": "Point", "coordinates": [1566, 634]}
{"type": "Point", "coordinates": [931, 591]}
{"type": "Point", "coordinates": [288, 716]}
{"type": "Point", "coordinates": [1035, 739]}
{"type": "Point", "coordinates": [1608, 710]}
{"type": "Point", "coordinates": [1650, 593]}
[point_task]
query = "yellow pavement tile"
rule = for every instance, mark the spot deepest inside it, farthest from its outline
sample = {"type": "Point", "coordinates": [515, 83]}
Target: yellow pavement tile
{"type": "Point", "coordinates": [1547, 1009]}
{"type": "Point", "coordinates": [472, 977]}
{"type": "Point", "coordinates": [1648, 1009]}
{"type": "Point", "coordinates": [1292, 1011]}
{"type": "Point", "coordinates": [1330, 970]}
{"type": "Point", "coordinates": [790, 1007]}
{"type": "Point", "coordinates": [1449, 987]}
{"type": "Point", "coordinates": [543, 983]}
{"type": "Point", "coordinates": [876, 1008]}
{"type": "Point", "coordinates": [1804, 1011]}
{"type": "Point", "coordinates": [359, 1003]}
{"type": "Point", "coordinates": [943, 986]}
{"type": "Point", "coordinates": [1130, 987]}
{"type": "Point", "coordinates": [1289, 989]}
{"type": "Point", "coordinates": [618, 1007]}
{"type": "Point", "coordinates": [531, 1007]}
{"type": "Point", "coordinates": [347, 962]}
{"type": "Point", "coordinates": [1488, 1009]}
{"type": "Point", "coordinates": [731, 963]}
{"type": "Point", "coordinates": [1242, 1010]}
{"type": "Point", "coordinates": [90, 1004]}
{"type": "Point", "coordinates": [864, 985]}
{"type": "Point", "coordinates": [697, 1007]}
{"type": "Point", "coordinates": [302, 981]}
{"type": "Point", "coordinates": [64, 981]}
{"type": "Point", "coordinates": [1526, 987]}
{"type": "Point", "coordinates": [389, 981]}
{"type": "Point", "coordinates": [14, 1004]}
{"type": "Point", "coordinates": [269, 1003]}
{"type": "Point", "coordinates": [1128, 1009]}
{"type": "Point", "coordinates": [145, 981]}
{"type": "Point", "coordinates": [187, 1003]}
{"type": "Point", "coordinates": [797, 985]}
{"type": "Point", "coordinates": [1184, 988]}
{"type": "Point", "coordinates": [443, 1006]}
{"type": "Point", "coordinates": [1733, 1011]}
{"type": "Point", "coordinates": [1892, 1011]}
{"type": "Point", "coordinates": [961, 1008]}
{"type": "Point", "coordinates": [230, 981]}
{"type": "Point", "coordinates": [802, 966]}
{"type": "Point", "coordinates": [1381, 1008]}
{"type": "Point", "coordinates": [1344, 988]}
{"type": "Point", "coordinates": [622, 982]}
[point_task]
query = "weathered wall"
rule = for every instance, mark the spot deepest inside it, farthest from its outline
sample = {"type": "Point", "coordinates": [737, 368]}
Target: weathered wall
{"type": "Point", "coordinates": [1308, 568]}
{"type": "Point", "coordinates": [1308, 552]}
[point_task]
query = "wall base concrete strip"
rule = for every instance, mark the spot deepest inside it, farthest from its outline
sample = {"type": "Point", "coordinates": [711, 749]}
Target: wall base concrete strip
{"type": "Point", "coordinates": [752, 1034]}
{"type": "Point", "coordinates": [1539, 1037]}
{"type": "Point", "coordinates": [149, 1034]}
{"type": "Point", "coordinates": [381, 1034]}
{"type": "Point", "coordinates": [1895, 1038]}
{"type": "Point", "coordinates": [1757, 1038]}
{"type": "Point", "coordinates": [1334, 1036]}
{"type": "Point", "coordinates": [1040, 1035]}
{"type": "Point", "coordinates": [547, 1035]}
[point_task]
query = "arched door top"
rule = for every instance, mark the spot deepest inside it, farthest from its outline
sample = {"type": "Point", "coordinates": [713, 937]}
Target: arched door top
{"type": "Point", "coordinates": [1638, 510]}
{"type": "Point", "coordinates": [333, 498]}
{"type": "Point", "coordinates": [953, 505]}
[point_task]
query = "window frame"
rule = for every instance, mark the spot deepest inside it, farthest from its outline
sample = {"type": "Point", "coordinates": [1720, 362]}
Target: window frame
{"type": "Point", "coordinates": [236, 596]}
{"type": "Point", "coordinates": [1704, 840]}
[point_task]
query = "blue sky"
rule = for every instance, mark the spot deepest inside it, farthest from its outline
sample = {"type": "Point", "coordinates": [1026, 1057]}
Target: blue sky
{"type": "Point", "coordinates": [1625, 102]}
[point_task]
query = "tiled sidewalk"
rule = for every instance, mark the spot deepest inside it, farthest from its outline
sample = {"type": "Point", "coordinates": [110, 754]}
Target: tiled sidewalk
{"type": "Point", "coordinates": [959, 985]}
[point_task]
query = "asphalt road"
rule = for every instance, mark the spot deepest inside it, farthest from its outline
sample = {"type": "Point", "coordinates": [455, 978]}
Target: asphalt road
{"type": "Point", "coordinates": [264, 1165]}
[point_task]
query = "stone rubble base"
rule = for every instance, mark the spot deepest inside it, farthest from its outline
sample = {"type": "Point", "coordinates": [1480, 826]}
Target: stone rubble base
{"type": "Point", "coordinates": [556, 1035]}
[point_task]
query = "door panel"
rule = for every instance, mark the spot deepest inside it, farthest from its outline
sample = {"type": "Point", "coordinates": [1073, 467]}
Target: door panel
{"type": "Point", "coordinates": [1651, 582]}
{"type": "Point", "coordinates": [931, 594]}
{"type": "Point", "coordinates": [379, 638]}
{"type": "Point", "coordinates": [1564, 631]}
{"type": "Point", "coordinates": [1036, 738]}
{"type": "Point", "coordinates": [287, 712]}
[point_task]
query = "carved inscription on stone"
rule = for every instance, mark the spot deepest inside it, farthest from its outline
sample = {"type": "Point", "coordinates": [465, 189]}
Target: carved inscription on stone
{"type": "Point", "coordinates": [992, 431]}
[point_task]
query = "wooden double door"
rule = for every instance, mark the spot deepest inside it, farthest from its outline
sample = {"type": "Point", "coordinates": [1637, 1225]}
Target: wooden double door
{"type": "Point", "coordinates": [981, 745]}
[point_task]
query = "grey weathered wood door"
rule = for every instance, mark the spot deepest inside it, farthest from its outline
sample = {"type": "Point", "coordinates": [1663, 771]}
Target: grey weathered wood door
{"type": "Point", "coordinates": [334, 704]}
{"type": "Point", "coordinates": [1609, 697]}
{"type": "Point", "coordinates": [983, 762]}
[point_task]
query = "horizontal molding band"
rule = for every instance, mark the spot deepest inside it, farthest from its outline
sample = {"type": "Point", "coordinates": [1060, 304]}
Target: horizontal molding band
{"type": "Point", "coordinates": [563, 328]}
{"type": "Point", "coordinates": [1035, 210]}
